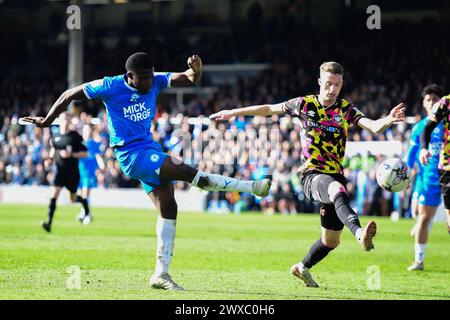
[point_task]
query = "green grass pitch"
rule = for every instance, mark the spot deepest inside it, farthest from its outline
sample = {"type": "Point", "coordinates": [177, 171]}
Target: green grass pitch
{"type": "Point", "coordinates": [245, 256]}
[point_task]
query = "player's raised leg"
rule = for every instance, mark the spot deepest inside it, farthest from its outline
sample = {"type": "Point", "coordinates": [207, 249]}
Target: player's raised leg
{"type": "Point", "coordinates": [326, 188]}
{"type": "Point", "coordinates": [339, 197]}
{"type": "Point", "coordinates": [47, 225]}
{"type": "Point", "coordinates": [164, 200]}
{"type": "Point", "coordinates": [174, 170]}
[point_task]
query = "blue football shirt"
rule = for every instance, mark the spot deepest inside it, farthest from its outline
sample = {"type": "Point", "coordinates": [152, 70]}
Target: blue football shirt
{"type": "Point", "coordinates": [429, 172]}
{"type": "Point", "coordinates": [130, 113]}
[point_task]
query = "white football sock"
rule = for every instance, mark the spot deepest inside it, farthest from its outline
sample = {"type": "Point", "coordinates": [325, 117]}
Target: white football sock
{"type": "Point", "coordinates": [215, 182]}
{"type": "Point", "coordinates": [420, 252]}
{"type": "Point", "coordinates": [359, 234]}
{"type": "Point", "coordinates": [165, 235]}
{"type": "Point", "coordinates": [301, 267]}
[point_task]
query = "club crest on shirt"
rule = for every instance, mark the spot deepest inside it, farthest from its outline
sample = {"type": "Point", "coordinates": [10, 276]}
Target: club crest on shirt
{"type": "Point", "coordinates": [338, 118]}
{"type": "Point", "coordinates": [134, 97]}
{"type": "Point", "coordinates": [154, 158]}
{"type": "Point", "coordinates": [311, 113]}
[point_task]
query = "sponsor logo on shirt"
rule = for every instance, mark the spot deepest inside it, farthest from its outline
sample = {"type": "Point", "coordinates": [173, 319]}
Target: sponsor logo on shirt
{"type": "Point", "coordinates": [323, 127]}
{"type": "Point", "coordinates": [136, 112]}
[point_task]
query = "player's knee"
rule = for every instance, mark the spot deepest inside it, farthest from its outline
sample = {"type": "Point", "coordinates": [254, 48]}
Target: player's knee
{"type": "Point", "coordinates": [425, 219]}
{"type": "Point", "coordinates": [168, 205]}
{"type": "Point", "coordinates": [169, 210]}
{"type": "Point", "coordinates": [334, 188]}
{"type": "Point", "coordinates": [73, 197]}
{"type": "Point", "coordinates": [173, 170]}
{"type": "Point", "coordinates": [56, 193]}
{"type": "Point", "coordinates": [332, 244]}
{"type": "Point", "coordinates": [331, 241]}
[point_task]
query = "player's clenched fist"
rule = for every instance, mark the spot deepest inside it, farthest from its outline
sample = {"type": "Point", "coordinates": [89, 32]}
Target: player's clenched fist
{"type": "Point", "coordinates": [195, 63]}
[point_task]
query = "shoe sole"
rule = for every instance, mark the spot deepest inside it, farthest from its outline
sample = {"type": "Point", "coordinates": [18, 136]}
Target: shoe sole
{"type": "Point", "coordinates": [298, 274]}
{"type": "Point", "coordinates": [369, 233]}
{"type": "Point", "coordinates": [161, 287]}
{"type": "Point", "coordinates": [158, 287]}
{"type": "Point", "coordinates": [155, 286]}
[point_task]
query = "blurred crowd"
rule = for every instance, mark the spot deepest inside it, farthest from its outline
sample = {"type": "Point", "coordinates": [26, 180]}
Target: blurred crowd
{"type": "Point", "coordinates": [382, 68]}
{"type": "Point", "coordinates": [245, 148]}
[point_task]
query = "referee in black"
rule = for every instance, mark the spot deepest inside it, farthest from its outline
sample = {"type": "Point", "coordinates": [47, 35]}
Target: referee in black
{"type": "Point", "coordinates": [67, 149]}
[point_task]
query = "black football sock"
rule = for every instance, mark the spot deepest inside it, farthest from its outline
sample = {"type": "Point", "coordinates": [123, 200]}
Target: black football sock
{"type": "Point", "coordinates": [84, 203]}
{"type": "Point", "coordinates": [51, 210]}
{"type": "Point", "coordinates": [317, 252]}
{"type": "Point", "coordinates": [345, 212]}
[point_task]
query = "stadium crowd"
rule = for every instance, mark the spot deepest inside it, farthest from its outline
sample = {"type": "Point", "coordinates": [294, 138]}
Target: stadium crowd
{"type": "Point", "coordinates": [252, 148]}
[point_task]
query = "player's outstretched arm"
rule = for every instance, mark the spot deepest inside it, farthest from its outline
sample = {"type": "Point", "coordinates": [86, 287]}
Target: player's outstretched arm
{"type": "Point", "coordinates": [425, 138]}
{"type": "Point", "coordinates": [396, 115]}
{"type": "Point", "coordinates": [412, 155]}
{"type": "Point", "coordinates": [259, 110]}
{"type": "Point", "coordinates": [191, 76]}
{"type": "Point", "coordinates": [75, 93]}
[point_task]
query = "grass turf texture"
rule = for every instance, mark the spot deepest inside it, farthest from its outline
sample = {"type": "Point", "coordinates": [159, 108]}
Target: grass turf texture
{"type": "Point", "coordinates": [216, 257]}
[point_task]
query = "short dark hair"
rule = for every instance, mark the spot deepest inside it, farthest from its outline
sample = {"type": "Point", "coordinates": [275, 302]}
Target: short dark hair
{"type": "Point", "coordinates": [138, 61]}
{"type": "Point", "coordinates": [433, 89]}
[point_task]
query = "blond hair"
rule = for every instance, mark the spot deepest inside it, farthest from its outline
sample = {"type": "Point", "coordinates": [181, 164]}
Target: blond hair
{"type": "Point", "coordinates": [332, 67]}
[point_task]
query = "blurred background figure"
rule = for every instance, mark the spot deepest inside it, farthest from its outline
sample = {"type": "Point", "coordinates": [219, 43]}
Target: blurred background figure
{"type": "Point", "coordinates": [67, 149]}
{"type": "Point", "coordinates": [88, 167]}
